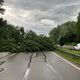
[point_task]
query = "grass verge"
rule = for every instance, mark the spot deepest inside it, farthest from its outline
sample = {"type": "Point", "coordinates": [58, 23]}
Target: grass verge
{"type": "Point", "coordinates": [71, 51]}
{"type": "Point", "coordinates": [68, 57]}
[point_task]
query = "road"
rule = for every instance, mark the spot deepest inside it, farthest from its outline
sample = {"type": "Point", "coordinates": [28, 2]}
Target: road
{"type": "Point", "coordinates": [43, 66]}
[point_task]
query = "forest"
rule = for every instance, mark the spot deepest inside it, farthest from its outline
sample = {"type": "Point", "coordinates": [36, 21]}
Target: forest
{"type": "Point", "coordinates": [67, 33]}
{"type": "Point", "coordinates": [15, 39]}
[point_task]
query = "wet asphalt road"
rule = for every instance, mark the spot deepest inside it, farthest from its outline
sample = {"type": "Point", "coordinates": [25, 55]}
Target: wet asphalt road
{"type": "Point", "coordinates": [43, 66]}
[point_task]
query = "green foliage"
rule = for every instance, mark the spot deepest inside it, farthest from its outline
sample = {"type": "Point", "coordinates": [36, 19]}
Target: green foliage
{"type": "Point", "coordinates": [31, 46]}
{"type": "Point", "coordinates": [46, 42]}
{"type": "Point", "coordinates": [68, 32]}
{"type": "Point", "coordinates": [61, 41]}
{"type": "Point", "coordinates": [6, 45]}
{"type": "Point", "coordinates": [54, 33]}
{"type": "Point", "coordinates": [65, 33]}
{"type": "Point", "coordinates": [15, 39]}
{"type": "Point", "coordinates": [2, 22]}
{"type": "Point", "coordinates": [1, 9]}
{"type": "Point", "coordinates": [78, 27]}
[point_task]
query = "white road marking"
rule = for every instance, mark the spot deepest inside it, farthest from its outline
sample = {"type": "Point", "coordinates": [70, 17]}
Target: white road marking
{"type": "Point", "coordinates": [66, 61]}
{"type": "Point", "coordinates": [13, 54]}
{"type": "Point", "coordinates": [26, 74]}
{"type": "Point", "coordinates": [54, 71]}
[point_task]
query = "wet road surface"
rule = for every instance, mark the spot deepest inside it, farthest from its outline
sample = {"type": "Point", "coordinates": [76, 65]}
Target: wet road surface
{"type": "Point", "coordinates": [43, 66]}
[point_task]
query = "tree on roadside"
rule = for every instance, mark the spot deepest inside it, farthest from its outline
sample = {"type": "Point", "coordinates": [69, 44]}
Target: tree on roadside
{"type": "Point", "coordinates": [65, 31]}
{"type": "Point", "coordinates": [61, 41]}
{"type": "Point", "coordinates": [1, 9]}
{"type": "Point", "coordinates": [2, 22]}
{"type": "Point", "coordinates": [54, 33]}
{"type": "Point", "coordinates": [78, 27]}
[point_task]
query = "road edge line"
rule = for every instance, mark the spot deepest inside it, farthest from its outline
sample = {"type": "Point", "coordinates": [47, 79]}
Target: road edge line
{"type": "Point", "coordinates": [66, 61]}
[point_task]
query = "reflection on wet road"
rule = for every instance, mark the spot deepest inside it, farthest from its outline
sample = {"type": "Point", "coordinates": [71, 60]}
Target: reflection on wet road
{"type": "Point", "coordinates": [37, 66]}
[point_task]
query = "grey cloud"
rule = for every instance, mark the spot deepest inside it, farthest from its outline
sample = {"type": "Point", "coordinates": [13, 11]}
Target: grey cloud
{"type": "Point", "coordinates": [38, 4]}
{"type": "Point", "coordinates": [57, 10]}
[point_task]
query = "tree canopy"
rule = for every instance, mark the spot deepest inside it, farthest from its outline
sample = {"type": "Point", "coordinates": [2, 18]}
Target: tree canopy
{"type": "Point", "coordinates": [1, 9]}
{"type": "Point", "coordinates": [15, 39]}
{"type": "Point", "coordinates": [67, 32]}
{"type": "Point", "coordinates": [78, 26]}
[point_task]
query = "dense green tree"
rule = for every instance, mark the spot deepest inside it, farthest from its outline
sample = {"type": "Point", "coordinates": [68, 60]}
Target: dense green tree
{"type": "Point", "coordinates": [15, 39]}
{"type": "Point", "coordinates": [30, 35]}
{"type": "Point", "coordinates": [68, 31]}
{"type": "Point", "coordinates": [64, 33]}
{"type": "Point", "coordinates": [54, 33]}
{"type": "Point", "coordinates": [1, 9]}
{"type": "Point", "coordinates": [78, 27]}
{"type": "Point", "coordinates": [61, 41]}
{"type": "Point", "coordinates": [2, 22]}
{"type": "Point", "coordinates": [22, 32]}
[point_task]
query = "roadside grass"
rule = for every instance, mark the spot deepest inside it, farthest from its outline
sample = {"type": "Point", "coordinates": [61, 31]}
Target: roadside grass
{"type": "Point", "coordinates": [69, 57]}
{"type": "Point", "coordinates": [70, 51]}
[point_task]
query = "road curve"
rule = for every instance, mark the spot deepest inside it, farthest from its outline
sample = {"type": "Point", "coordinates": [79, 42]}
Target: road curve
{"type": "Point", "coordinates": [43, 66]}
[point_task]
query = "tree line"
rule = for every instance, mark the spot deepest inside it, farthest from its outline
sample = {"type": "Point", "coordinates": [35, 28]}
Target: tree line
{"type": "Point", "coordinates": [68, 32]}
{"type": "Point", "coordinates": [15, 39]}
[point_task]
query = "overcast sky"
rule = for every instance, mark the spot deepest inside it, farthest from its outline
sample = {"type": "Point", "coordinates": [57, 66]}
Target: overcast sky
{"type": "Point", "coordinates": [40, 15]}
